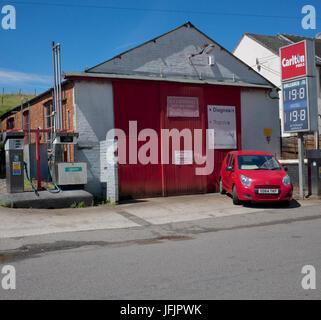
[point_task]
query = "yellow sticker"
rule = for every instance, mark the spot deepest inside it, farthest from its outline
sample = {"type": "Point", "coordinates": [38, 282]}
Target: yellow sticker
{"type": "Point", "coordinates": [268, 132]}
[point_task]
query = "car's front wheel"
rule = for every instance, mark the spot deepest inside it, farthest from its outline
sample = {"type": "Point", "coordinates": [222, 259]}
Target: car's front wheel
{"type": "Point", "coordinates": [236, 200]}
{"type": "Point", "coordinates": [222, 191]}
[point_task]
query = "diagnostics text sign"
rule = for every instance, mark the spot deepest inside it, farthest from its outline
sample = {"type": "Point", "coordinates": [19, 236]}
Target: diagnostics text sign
{"type": "Point", "coordinates": [223, 120]}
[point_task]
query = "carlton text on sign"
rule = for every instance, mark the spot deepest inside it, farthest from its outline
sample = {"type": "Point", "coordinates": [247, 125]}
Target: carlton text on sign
{"type": "Point", "coordinates": [293, 61]}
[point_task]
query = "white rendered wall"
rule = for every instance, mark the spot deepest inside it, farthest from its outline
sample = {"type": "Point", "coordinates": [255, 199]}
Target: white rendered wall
{"type": "Point", "coordinates": [94, 116]}
{"type": "Point", "coordinates": [249, 50]}
{"type": "Point", "coordinates": [259, 111]}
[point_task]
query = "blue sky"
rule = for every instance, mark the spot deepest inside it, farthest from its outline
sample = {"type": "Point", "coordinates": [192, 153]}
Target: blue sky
{"type": "Point", "coordinates": [93, 31]}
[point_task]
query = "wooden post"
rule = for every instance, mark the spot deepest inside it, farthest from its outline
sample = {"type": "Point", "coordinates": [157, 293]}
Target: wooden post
{"type": "Point", "coordinates": [316, 139]}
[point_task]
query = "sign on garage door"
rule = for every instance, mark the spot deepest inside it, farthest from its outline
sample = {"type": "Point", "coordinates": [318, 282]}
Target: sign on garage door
{"type": "Point", "coordinates": [223, 120]}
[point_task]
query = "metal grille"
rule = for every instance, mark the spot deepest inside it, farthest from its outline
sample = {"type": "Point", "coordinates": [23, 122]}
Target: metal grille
{"type": "Point", "coordinates": [267, 186]}
{"type": "Point", "coordinates": [267, 196]}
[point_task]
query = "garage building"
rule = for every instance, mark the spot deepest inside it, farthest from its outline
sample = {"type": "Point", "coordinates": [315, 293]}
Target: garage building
{"type": "Point", "coordinates": [180, 80]}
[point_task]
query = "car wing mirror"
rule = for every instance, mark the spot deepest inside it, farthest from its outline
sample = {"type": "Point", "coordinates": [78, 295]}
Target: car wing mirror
{"type": "Point", "coordinates": [285, 168]}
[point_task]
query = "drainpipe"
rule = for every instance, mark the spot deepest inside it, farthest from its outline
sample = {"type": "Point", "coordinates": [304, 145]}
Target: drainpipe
{"type": "Point", "coordinates": [21, 110]}
{"type": "Point", "coordinates": [29, 118]}
{"type": "Point", "coordinates": [59, 86]}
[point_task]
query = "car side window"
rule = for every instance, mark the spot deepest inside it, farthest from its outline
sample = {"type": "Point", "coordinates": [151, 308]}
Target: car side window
{"type": "Point", "coordinates": [231, 164]}
{"type": "Point", "coordinates": [228, 158]}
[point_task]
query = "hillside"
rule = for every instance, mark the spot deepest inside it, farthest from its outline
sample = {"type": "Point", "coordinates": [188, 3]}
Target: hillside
{"type": "Point", "coordinates": [10, 101]}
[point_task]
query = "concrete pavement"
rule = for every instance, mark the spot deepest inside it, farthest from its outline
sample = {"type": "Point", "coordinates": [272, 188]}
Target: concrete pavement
{"type": "Point", "coordinates": [221, 258]}
{"type": "Point", "coordinates": [155, 211]}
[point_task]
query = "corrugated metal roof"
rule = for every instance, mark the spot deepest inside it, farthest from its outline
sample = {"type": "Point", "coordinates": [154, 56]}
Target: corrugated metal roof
{"type": "Point", "coordinates": [93, 75]}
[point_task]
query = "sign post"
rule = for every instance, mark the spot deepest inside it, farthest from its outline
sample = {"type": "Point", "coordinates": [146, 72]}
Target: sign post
{"type": "Point", "coordinates": [299, 95]}
{"type": "Point", "coordinates": [301, 163]}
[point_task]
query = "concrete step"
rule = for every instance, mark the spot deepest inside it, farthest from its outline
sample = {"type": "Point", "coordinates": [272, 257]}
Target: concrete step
{"type": "Point", "coordinates": [46, 200]}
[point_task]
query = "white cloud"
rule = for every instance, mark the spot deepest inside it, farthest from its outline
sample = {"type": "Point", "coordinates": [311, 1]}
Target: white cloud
{"type": "Point", "coordinates": [11, 77]}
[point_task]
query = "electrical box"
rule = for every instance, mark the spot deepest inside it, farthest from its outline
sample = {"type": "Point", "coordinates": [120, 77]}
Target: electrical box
{"type": "Point", "coordinates": [314, 171]}
{"type": "Point", "coordinates": [66, 173]}
{"type": "Point", "coordinates": [66, 138]}
{"type": "Point", "coordinates": [211, 60]}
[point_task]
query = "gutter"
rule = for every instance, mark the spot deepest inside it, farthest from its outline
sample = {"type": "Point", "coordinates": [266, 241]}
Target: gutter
{"type": "Point", "coordinates": [111, 76]}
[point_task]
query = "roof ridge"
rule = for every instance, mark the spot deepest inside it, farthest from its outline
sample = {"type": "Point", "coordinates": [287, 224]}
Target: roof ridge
{"type": "Point", "coordinates": [189, 25]}
{"type": "Point", "coordinates": [296, 35]}
{"type": "Point", "coordinates": [258, 34]}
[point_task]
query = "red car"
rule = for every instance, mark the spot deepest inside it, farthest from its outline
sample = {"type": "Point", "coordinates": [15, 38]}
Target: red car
{"type": "Point", "coordinates": [255, 176]}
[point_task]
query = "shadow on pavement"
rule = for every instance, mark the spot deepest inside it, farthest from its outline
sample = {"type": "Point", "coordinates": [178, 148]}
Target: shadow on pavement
{"type": "Point", "coordinates": [273, 205]}
{"type": "Point", "coordinates": [129, 201]}
{"type": "Point", "coordinates": [270, 205]}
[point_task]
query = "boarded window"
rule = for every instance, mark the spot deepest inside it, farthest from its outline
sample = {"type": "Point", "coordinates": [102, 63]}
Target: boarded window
{"type": "Point", "coordinates": [10, 123]}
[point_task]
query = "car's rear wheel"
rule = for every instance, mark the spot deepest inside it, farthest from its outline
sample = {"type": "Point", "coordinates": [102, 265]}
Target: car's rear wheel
{"type": "Point", "coordinates": [236, 200]}
{"type": "Point", "coordinates": [222, 190]}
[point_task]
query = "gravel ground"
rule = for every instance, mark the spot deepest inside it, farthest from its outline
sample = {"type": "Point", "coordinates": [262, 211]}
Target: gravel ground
{"type": "Point", "coordinates": [3, 188]}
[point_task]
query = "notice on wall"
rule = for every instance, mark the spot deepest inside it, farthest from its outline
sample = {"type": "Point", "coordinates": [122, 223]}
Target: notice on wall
{"type": "Point", "coordinates": [16, 169]}
{"type": "Point", "coordinates": [223, 120]}
{"type": "Point", "coordinates": [183, 157]}
{"type": "Point", "coordinates": [182, 107]}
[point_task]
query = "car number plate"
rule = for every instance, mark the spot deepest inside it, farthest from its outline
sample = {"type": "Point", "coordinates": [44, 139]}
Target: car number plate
{"type": "Point", "coordinates": [268, 191]}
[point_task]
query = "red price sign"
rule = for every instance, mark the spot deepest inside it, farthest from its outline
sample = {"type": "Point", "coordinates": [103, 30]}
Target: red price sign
{"type": "Point", "coordinates": [293, 61]}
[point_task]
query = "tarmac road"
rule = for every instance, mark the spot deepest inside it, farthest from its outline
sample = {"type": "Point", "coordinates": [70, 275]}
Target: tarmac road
{"type": "Point", "coordinates": [258, 261]}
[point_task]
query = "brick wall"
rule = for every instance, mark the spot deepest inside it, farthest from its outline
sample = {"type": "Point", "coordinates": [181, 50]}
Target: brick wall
{"type": "Point", "coordinates": [37, 115]}
{"type": "Point", "coordinates": [108, 172]}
